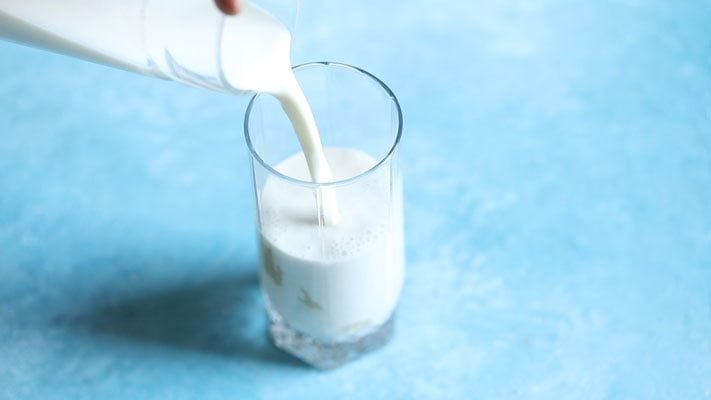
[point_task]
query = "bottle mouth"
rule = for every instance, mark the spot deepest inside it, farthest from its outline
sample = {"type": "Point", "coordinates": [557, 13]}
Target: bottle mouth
{"type": "Point", "coordinates": [321, 64]}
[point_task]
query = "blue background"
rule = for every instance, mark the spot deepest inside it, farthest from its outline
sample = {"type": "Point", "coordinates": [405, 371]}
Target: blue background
{"type": "Point", "coordinates": [558, 183]}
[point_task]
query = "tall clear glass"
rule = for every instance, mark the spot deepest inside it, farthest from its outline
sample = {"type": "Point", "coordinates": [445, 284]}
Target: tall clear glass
{"type": "Point", "coordinates": [330, 290]}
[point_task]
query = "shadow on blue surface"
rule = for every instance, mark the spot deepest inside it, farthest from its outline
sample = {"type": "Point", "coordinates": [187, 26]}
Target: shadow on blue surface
{"type": "Point", "coordinates": [222, 316]}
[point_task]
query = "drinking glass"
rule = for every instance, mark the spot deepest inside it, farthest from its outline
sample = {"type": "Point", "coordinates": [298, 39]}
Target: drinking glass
{"type": "Point", "coordinates": [330, 289]}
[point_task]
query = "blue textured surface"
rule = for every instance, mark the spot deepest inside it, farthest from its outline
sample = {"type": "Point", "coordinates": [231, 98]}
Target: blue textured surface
{"type": "Point", "coordinates": [558, 186]}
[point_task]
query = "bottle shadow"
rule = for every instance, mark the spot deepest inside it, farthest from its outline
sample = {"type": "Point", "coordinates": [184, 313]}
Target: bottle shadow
{"type": "Point", "coordinates": [221, 316]}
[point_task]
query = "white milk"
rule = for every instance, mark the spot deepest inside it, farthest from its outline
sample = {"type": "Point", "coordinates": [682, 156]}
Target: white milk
{"type": "Point", "coordinates": [273, 75]}
{"type": "Point", "coordinates": [341, 281]}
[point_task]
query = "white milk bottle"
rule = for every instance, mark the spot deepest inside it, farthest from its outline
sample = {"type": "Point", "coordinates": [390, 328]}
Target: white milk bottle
{"type": "Point", "coordinates": [189, 41]}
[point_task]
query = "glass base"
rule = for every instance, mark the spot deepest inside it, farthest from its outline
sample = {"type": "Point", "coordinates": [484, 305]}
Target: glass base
{"type": "Point", "coordinates": [328, 355]}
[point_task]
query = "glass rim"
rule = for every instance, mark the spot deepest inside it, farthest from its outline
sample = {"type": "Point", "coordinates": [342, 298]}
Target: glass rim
{"type": "Point", "coordinates": [316, 64]}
